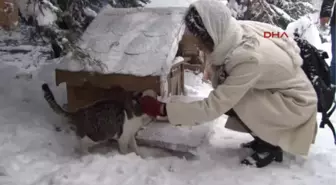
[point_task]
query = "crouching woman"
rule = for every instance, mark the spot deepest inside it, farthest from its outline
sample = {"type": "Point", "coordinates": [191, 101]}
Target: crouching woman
{"type": "Point", "coordinates": [258, 82]}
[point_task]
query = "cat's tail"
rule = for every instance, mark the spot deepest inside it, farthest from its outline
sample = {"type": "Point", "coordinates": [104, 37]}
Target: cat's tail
{"type": "Point", "coordinates": [49, 97]}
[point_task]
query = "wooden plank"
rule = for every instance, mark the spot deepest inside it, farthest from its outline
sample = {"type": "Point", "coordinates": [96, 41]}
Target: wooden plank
{"type": "Point", "coordinates": [197, 68]}
{"type": "Point", "coordinates": [79, 96]}
{"type": "Point", "coordinates": [128, 82]}
{"type": "Point", "coordinates": [176, 138]}
{"type": "Point", "coordinates": [164, 135]}
{"type": "Point", "coordinates": [174, 79]}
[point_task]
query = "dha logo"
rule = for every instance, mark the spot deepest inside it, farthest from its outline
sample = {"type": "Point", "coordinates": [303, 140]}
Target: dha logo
{"type": "Point", "coordinates": [268, 34]}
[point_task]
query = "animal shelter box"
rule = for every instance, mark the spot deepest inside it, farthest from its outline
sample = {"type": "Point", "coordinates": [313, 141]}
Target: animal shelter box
{"type": "Point", "coordinates": [131, 48]}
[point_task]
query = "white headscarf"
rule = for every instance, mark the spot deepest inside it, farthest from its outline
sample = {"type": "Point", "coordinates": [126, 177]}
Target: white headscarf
{"type": "Point", "coordinates": [221, 26]}
{"type": "Point", "coordinates": [227, 33]}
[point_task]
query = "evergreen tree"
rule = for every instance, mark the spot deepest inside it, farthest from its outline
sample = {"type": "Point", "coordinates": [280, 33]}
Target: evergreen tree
{"type": "Point", "coordinates": [128, 3]}
{"type": "Point", "coordinates": [276, 12]}
{"type": "Point", "coordinates": [72, 18]}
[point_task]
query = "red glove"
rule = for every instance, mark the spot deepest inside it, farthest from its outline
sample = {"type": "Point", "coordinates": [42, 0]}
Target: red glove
{"type": "Point", "coordinates": [152, 107]}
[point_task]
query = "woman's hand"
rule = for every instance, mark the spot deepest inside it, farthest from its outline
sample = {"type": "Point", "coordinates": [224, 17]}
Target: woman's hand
{"type": "Point", "coordinates": [152, 107]}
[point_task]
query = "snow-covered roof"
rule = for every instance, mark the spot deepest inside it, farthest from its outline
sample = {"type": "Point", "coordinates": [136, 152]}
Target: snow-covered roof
{"type": "Point", "coordinates": [137, 41]}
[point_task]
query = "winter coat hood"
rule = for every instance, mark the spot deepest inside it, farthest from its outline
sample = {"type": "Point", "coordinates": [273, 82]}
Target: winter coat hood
{"type": "Point", "coordinates": [228, 33]}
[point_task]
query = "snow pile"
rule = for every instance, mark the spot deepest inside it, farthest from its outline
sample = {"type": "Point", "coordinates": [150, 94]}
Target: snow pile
{"type": "Point", "coordinates": [307, 29]}
{"type": "Point", "coordinates": [194, 85]}
{"type": "Point", "coordinates": [16, 50]}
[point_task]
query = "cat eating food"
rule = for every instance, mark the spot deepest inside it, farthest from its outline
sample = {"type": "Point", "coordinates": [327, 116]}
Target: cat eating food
{"type": "Point", "coordinates": [107, 119]}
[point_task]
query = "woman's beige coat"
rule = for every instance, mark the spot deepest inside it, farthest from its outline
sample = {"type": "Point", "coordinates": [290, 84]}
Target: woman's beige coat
{"type": "Point", "coordinates": [265, 84]}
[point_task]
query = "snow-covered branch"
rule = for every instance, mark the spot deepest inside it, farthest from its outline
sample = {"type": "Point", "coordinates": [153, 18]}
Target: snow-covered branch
{"type": "Point", "coordinates": [43, 11]}
{"type": "Point", "coordinates": [277, 12]}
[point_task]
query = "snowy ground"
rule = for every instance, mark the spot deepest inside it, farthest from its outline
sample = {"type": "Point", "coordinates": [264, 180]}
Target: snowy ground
{"type": "Point", "coordinates": [32, 152]}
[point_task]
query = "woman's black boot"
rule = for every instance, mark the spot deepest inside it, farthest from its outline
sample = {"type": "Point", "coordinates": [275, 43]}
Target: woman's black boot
{"type": "Point", "coordinates": [264, 154]}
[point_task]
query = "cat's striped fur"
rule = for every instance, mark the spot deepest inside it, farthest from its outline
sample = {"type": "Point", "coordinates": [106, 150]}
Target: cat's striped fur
{"type": "Point", "coordinates": [106, 119]}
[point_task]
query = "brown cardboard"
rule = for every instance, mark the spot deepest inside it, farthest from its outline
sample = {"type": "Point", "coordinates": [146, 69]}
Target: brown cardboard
{"type": "Point", "coordinates": [188, 49]}
{"type": "Point", "coordinates": [188, 46]}
{"type": "Point", "coordinates": [106, 81]}
{"type": "Point", "coordinates": [8, 20]}
{"type": "Point", "coordinates": [176, 80]}
{"type": "Point", "coordinates": [80, 96]}
{"type": "Point", "coordinates": [84, 88]}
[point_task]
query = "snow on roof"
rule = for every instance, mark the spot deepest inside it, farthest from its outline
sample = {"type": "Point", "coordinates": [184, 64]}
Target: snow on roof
{"type": "Point", "coordinates": [137, 41]}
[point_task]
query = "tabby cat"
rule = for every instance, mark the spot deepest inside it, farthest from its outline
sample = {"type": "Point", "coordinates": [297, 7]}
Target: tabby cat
{"type": "Point", "coordinates": [106, 119]}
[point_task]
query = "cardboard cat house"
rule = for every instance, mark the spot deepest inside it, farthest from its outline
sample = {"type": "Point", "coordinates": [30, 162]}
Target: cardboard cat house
{"type": "Point", "coordinates": [137, 49]}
